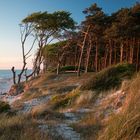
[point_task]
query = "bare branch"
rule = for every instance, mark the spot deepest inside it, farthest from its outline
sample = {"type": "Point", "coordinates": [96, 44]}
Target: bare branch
{"type": "Point", "coordinates": [28, 57]}
{"type": "Point", "coordinates": [31, 47]}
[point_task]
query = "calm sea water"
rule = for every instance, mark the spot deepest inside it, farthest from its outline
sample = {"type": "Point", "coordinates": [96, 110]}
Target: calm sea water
{"type": "Point", "coordinates": [6, 80]}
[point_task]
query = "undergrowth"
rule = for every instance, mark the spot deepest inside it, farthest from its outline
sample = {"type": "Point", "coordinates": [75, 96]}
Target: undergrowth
{"type": "Point", "coordinates": [4, 107]}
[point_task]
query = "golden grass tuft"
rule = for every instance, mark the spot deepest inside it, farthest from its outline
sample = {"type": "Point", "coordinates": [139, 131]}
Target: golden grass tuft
{"type": "Point", "coordinates": [126, 124]}
{"type": "Point", "coordinates": [19, 127]}
{"type": "Point", "coordinates": [64, 100]}
{"type": "Point", "coordinates": [88, 127]}
{"type": "Point", "coordinates": [85, 98]}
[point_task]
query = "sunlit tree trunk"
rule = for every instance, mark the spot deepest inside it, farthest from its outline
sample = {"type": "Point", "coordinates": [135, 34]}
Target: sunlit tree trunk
{"type": "Point", "coordinates": [96, 56]}
{"type": "Point", "coordinates": [82, 50]}
{"type": "Point", "coordinates": [132, 51]}
{"type": "Point", "coordinates": [88, 55]}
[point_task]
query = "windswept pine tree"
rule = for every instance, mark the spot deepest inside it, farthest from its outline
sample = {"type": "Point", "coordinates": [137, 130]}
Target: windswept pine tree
{"type": "Point", "coordinates": [104, 40]}
{"type": "Point", "coordinates": [100, 41]}
{"type": "Point", "coordinates": [44, 27]}
{"type": "Point", "coordinates": [48, 26]}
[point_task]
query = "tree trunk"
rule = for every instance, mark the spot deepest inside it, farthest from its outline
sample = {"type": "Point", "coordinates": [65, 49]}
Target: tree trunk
{"type": "Point", "coordinates": [121, 53]}
{"type": "Point", "coordinates": [137, 57]}
{"type": "Point", "coordinates": [14, 75]}
{"type": "Point", "coordinates": [110, 53]}
{"type": "Point", "coordinates": [96, 57]}
{"type": "Point", "coordinates": [82, 50]}
{"type": "Point", "coordinates": [88, 55]}
{"type": "Point", "coordinates": [76, 56]}
{"type": "Point", "coordinates": [115, 55]}
{"type": "Point", "coordinates": [127, 51]}
{"type": "Point", "coordinates": [105, 56]}
{"type": "Point", "coordinates": [132, 51]}
{"type": "Point", "coordinates": [24, 63]}
{"type": "Point", "coordinates": [44, 65]}
{"type": "Point", "coordinates": [58, 68]}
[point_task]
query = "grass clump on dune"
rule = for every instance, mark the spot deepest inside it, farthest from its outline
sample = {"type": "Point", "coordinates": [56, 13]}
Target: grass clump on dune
{"type": "Point", "coordinates": [88, 127]}
{"type": "Point", "coordinates": [61, 101]}
{"type": "Point", "coordinates": [126, 124]}
{"type": "Point", "coordinates": [109, 78]}
{"type": "Point", "coordinates": [4, 107]}
{"type": "Point", "coordinates": [19, 127]}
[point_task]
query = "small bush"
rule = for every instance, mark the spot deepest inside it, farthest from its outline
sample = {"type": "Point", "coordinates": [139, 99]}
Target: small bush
{"type": "Point", "coordinates": [4, 107]}
{"type": "Point", "coordinates": [111, 77]}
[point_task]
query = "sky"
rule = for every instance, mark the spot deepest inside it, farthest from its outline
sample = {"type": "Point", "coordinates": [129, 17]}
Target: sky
{"type": "Point", "coordinates": [13, 11]}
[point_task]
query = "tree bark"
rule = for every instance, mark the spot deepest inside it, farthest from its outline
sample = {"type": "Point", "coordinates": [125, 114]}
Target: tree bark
{"type": "Point", "coordinates": [121, 53]}
{"type": "Point", "coordinates": [110, 52]}
{"type": "Point", "coordinates": [132, 51]}
{"type": "Point", "coordinates": [58, 68]}
{"type": "Point", "coordinates": [137, 57]}
{"type": "Point", "coordinates": [14, 75]}
{"type": "Point", "coordinates": [82, 50]}
{"type": "Point", "coordinates": [105, 56]}
{"type": "Point", "coordinates": [88, 55]}
{"type": "Point", "coordinates": [96, 57]}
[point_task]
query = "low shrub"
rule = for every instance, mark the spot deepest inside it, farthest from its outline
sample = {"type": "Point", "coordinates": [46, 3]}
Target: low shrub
{"type": "Point", "coordinates": [4, 107]}
{"type": "Point", "coordinates": [68, 68]}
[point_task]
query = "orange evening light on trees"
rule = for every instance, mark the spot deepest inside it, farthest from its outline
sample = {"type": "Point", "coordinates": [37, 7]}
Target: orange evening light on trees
{"type": "Point", "coordinates": [70, 70]}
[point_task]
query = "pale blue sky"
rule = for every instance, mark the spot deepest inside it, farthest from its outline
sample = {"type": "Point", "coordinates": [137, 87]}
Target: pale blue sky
{"type": "Point", "coordinates": [13, 11]}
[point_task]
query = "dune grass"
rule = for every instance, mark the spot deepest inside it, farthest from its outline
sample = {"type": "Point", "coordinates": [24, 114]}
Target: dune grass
{"type": "Point", "coordinates": [126, 124]}
{"type": "Point", "coordinates": [88, 127]}
{"type": "Point", "coordinates": [19, 127]}
{"type": "Point", "coordinates": [61, 101]}
{"type": "Point", "coordinates": [109, 78]}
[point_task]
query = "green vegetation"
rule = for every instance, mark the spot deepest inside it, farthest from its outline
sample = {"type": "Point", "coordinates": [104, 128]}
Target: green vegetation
{"type": "Point", "coordinates": [52, 50]}
{"type": "Point", "coordinates": [4, 107]}
{"type": "Point", "coordinates": [61, 101]}
{"type": "Point", "coordinates": [71, 68]}
{"type": "Point", "coordinates": [109, 78]}
{"type": "Point", "coordinates": [68, 68]}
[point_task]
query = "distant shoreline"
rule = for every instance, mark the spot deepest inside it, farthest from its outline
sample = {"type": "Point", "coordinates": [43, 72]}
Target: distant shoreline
{"type": "Point", "coordinates": [6, 80]}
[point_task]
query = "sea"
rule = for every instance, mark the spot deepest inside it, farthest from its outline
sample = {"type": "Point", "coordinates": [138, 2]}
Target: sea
{"type": "Point", "coordinates": [6, 80]}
